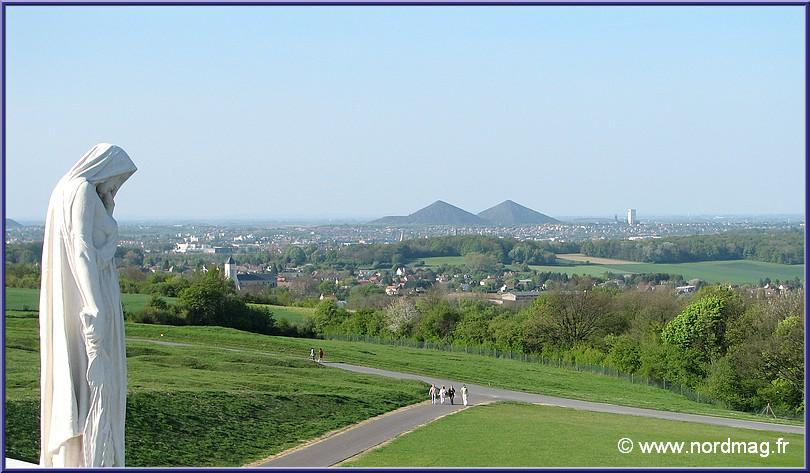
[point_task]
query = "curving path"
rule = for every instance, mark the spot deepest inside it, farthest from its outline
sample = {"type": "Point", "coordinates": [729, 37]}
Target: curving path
{"type": "Point", "coordinates": [346, 444]}
{"type": "Point", "coordinates": [356, 439]}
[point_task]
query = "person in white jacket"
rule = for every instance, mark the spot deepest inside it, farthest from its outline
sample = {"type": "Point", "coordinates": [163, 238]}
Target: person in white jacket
{"type": "Point", "coordinates": [464, 394]}
{"type": "Point", "coordinates": [442, 393]}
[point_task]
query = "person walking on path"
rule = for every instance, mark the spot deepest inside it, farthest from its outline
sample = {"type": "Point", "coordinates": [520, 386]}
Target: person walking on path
{"type": "Point", "coordinates": [442, 393]}
{"type": "Point", "coordinates": [464, 394]}
{"type": "Point", "coordinates": [433, 394]}
{"type": "Point", "coordinates": [320, 355]}
{"type": "Point", "coordinates": [451, 393]}
{"type": "Point", "coordinates": [312, 354]}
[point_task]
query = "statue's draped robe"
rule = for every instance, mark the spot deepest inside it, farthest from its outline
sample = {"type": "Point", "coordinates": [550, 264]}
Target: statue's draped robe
{"type": "Point", "coordinates": [83, 358]}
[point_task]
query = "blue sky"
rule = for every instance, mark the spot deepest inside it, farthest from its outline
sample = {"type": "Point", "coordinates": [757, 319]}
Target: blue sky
{"type": "Point", "coordinates": [333, 112]}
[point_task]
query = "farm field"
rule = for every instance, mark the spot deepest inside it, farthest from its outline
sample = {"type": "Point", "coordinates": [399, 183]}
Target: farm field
{"type": "Point", "coordinates": [733, 271]}
{"type": "Point", "coordinates": [443, 260]}
{"type": "Point", "coordinates": [525, 435]}
{"type": "Point", "coordinates": [203, 405]}
{"type": "Point", "coordinates": [580, 258]}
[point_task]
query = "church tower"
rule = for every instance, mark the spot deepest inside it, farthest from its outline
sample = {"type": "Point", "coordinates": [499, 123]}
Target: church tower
{"type": "Point", "coordinates": [230, 271]}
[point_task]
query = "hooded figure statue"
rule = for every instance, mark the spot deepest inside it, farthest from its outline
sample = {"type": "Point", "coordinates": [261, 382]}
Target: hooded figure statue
{"type": "Point", "coordinates": [83, 358]}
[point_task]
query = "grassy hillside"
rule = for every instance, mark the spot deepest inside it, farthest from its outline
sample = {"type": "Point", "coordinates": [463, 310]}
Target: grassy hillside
{"type": "Point", "coordinates": [234, 397]}
{"type": "Point", "coordinates": [511, 374]}
{"type": "Point", "coordinates": [515, 435]}
{"type": "Point", "coordinates": [205, 405]}
{"type": "Point", "coordinates": [470, 368]}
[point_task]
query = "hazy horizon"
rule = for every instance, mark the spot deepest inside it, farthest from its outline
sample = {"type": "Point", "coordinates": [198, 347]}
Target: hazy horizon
{"type": "Point", "coordinates": [319, 113]}
{"type": "Point", "coordinates": [341, 220]}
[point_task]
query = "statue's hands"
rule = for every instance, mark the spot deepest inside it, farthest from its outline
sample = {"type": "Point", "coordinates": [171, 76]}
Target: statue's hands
{"type": "Point", "coordinates": [92, 326]}
{"type": "Point", "coordinates": [108, 200]}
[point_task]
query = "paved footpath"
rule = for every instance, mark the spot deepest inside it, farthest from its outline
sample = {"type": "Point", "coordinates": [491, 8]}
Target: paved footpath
{"type": "Point", "coordinates": [355, 440]}
{"type": "Point", "coordinates": [359, 438]}
{"type": "Point", "coordinates": [478, 392]}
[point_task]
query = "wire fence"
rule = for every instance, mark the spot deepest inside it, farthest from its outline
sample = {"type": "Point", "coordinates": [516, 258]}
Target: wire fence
{"type": "Point", "coordinates": [535, 358]}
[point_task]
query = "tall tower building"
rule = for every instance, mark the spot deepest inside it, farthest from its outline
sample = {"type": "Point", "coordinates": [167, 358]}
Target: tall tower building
{"type": "Point", "coordinates": [631, 217]}
{"type": "Point", "coordinates": [230, 271]}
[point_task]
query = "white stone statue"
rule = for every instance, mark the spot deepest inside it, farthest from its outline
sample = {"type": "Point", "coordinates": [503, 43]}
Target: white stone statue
{"type": "Point", "coordinates": [83, 358]}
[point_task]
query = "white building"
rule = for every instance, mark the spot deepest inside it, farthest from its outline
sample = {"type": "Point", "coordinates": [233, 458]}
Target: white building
{"type": "Point", "coordinates": [631, 217]}
{"type": "Point", "coordinates": [248, 281]}
{"type": "Point", "coordinates": [230, 271]}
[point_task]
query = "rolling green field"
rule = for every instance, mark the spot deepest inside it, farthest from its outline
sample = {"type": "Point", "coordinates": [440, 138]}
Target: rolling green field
{"type": "Point", "coordinates": [28, 300]}
{"type": "Point", "coordinates": [235, 397]}
{"type": "Point", "coordinates": [735, 271]}
{"type": "Point", "coordinates": [466, 367]}
{"type": "Point", "coordinates": [294, 315]}
{"type": "Point", "coordinates": [204, 405]}
{"type": "Point", "coordinates": [470, 368]}
{"type": "Point", "coordinates": [524, 435]}
{"type": "Point", "coordinates": [443, 260]}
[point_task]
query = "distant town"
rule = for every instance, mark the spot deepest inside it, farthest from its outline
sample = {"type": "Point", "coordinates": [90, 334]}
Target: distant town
{"type": "Point", "coordinates": [506, 220]}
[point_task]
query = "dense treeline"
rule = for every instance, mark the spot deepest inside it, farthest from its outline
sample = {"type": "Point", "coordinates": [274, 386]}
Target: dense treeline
{"type": "Point", "coordinates": [25, 253]}
{"type": "Point", "coordinates": [730, 347]}
{"type": "Point", "coordinates": [210, 299]}
{"type": "Point", "coordinates": [22, 275]}
{"type": "Point", "coordinates": [785, 247]}
{"type": "Point", "coordinates": [503, 250]}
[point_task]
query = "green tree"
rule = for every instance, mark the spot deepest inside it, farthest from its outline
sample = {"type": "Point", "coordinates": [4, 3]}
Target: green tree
{"type": "Point", "coordinates": [205, 299]}
{"type": "Point", "coordinates": [400, 316]}
{"type": "Point", "coordinates": [783, 362]}
{"type": "Point", "coordinates": [702, 325]}
{"type": "Point", "coordinates": [624, 353]}
{"type": "Point", "coordinates": [481, 263]}
{"type": "Point", "coordinates": [437, 324]}
{"type": "Point", "coordinates": [295, 255]}
{"type": "Point", "coordinates": [328, 317]}
{"type": "Point", "coordinates": [568, 318]}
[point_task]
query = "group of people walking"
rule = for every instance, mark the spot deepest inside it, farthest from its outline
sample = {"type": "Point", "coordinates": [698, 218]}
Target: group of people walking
{"type": "Point", "coordinates": [312, 354]}
{"type": "Point", "coordinates": [443, 392]}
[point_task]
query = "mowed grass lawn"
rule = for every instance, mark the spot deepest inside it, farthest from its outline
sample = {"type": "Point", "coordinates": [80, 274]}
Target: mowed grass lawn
{"type": "Point", "coordinates": [734, 271]}
{"type": "Point", "coordinates": [524, 435]}
{"type": "Point", "coordinates": [204, 405]}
